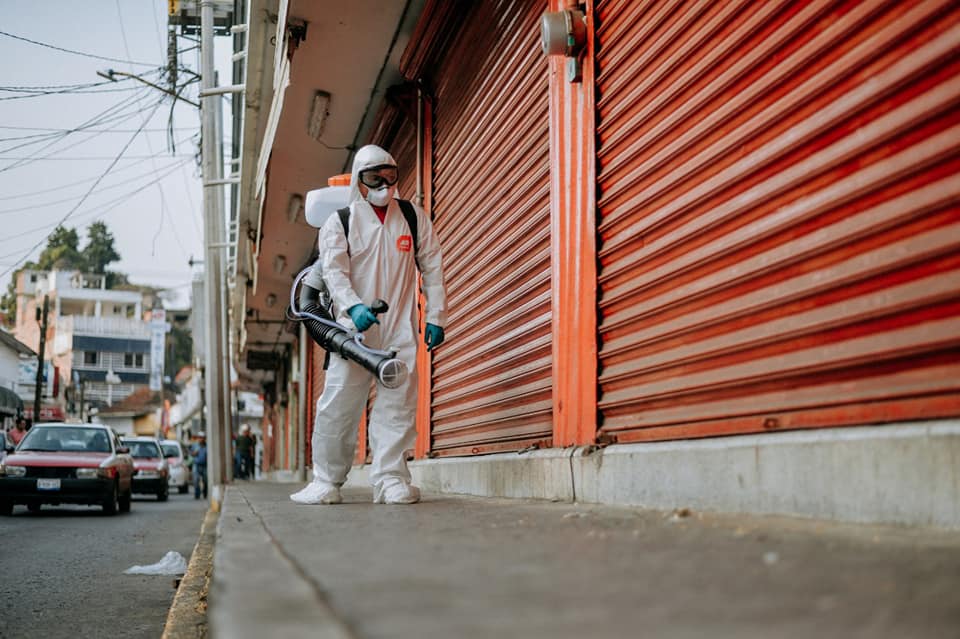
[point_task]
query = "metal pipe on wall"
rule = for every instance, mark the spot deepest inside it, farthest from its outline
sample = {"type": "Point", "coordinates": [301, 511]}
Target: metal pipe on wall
{"type": "Point", "coordinates": [418, 197]}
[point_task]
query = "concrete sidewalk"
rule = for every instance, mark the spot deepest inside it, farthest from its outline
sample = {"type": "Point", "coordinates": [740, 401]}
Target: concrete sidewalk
{"type": "Point", "coordinates": [473, 567]}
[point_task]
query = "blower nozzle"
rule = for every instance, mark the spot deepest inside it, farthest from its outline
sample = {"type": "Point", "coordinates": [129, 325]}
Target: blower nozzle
{"type": "Point", "coordinates": [334, 338]}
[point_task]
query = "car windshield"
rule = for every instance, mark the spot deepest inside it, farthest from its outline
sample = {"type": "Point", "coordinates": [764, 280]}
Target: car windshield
{"type": "Point", "coordinates": [170, 450]}
{"type": "Point", "coordinates": [66, 439]}
{"type": "Point", "coordinates": [142, 450]}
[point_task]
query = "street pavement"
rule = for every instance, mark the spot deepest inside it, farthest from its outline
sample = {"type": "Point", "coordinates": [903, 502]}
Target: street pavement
{"type": "Point", "coordinates": [61, 570]}
{"type": "Point", "coordinates": [473, 567]}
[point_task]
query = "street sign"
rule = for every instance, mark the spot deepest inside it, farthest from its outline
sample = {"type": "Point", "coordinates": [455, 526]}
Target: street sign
{"type": "Point", "coordinates": [158, 334]}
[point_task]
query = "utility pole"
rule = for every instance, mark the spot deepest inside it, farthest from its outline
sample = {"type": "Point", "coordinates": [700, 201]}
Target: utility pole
{"type": "Point", "coordinates": [214, 284]}
{"type": "Point", "coordinates": [38, 390]}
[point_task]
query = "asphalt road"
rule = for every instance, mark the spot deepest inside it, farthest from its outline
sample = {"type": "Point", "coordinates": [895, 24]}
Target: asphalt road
{"type": "Point", "coordinates": [61, 570]}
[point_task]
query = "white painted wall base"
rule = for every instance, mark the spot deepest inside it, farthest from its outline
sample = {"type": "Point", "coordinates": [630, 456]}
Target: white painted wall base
{"type": "Point", "coordinates": [903, 474]}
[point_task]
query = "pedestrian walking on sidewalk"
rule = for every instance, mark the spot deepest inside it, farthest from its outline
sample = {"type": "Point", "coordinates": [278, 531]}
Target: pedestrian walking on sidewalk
{"type": "Point", "coordinates": [243, 463]}
{"type": "Point", "coordinates": [388, 241]}
{"type": "Point", "coordinates": [17, 433]}
{"type": "Point", "coordinates": [199, 454]}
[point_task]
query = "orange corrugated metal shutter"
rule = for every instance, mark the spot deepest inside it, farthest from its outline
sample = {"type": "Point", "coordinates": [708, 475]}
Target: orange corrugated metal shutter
{"type": "Point", "coordinates": [491, 195]}
{"type": "Point", "coordinates": [779, 229]}
{"type": "Point", "coordinates": [316, 375]}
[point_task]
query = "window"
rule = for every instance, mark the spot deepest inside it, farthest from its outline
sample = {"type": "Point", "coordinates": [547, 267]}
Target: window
{"type": "Point", "coordinates": [133, 360]}
{"type": "Point", "coordinates": [117, 310]}
{"type": "Point", "coordinates": [90, 358]}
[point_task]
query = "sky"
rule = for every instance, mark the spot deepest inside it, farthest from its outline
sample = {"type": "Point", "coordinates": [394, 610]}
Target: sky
{"type": "Point", "coordinates": [151, 197]}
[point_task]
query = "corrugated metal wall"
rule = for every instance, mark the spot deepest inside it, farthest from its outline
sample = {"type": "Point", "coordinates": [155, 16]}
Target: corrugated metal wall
{"type": "Point", "coordinates": [778, 189]}
{"type": "Point", "coordinates": [404, 151]}
{"type": "Point", "coordinates": [315, 379]}
{"type": "Point", "coordinates": [491, 188]}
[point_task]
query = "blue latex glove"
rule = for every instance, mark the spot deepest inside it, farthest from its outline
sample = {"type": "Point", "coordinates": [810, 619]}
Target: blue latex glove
{"type": "Point", "coordinates": [433, 336]}
{"type": "Point", "coordinates": [363, 318]}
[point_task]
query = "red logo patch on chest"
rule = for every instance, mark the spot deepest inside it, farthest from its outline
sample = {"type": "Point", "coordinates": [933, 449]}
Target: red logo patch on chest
{"type": "Point", "coordinates": [404, 243]}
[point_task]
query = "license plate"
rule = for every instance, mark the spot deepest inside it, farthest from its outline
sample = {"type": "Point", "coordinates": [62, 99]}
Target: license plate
{"type": "Point", "coordinates": [48, 484]}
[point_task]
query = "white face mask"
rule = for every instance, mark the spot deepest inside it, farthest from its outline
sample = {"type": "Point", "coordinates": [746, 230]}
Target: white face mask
{"type": "Point", "coordinates": [381, 196]}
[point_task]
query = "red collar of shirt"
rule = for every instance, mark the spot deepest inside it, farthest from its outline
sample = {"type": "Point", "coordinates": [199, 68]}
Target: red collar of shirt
{"type": "Point", "coordinates": [381, 212]}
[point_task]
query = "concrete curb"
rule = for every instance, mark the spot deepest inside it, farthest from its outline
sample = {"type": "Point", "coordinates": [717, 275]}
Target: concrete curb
{"type": "Point", "coordinates": [257, 589]}
{"type": "Point", "coordinates": [187, 618]}
{"type": "Point", "coordinates": [902, 474]}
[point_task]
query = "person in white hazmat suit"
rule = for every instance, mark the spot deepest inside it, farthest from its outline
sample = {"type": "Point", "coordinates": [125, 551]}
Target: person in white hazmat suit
{"type": "Point", "coordinates": [376, 261]}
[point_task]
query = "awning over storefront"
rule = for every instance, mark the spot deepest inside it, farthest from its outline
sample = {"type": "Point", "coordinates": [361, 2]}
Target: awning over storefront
{"type": "Point", "coordinates": [10, 402]}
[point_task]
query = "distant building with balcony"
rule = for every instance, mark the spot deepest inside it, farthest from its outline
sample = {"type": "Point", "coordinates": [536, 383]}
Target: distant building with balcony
{"type": "Point", "coordinates": [97, 338]}
{"type": "Point", "coordinates": [13, 354]}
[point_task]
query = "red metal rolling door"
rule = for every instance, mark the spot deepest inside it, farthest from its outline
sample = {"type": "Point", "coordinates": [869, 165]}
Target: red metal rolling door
{"type": "Point", "coordinates": [491, 188]}
{"type": "Point", "coordinates": [779, 222]}
{"type": "Point", "coordinates": [404, 151]}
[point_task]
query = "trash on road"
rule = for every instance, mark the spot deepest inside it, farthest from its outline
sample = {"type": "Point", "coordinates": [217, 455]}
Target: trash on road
{"type": "Point", "coordinates": [172, 563]}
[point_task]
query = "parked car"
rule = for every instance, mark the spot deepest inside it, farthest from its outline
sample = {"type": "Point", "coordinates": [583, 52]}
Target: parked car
{"type": "Point", "coordinates": [150, 468]}
{"type": "Point", "coordinates": [176, 455]}
{"type": "Point", "coordinates": [60, 463]}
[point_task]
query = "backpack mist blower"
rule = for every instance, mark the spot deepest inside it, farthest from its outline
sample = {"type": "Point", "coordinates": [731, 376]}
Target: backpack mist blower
{"type": "Point", "coordinates": [315, 311]}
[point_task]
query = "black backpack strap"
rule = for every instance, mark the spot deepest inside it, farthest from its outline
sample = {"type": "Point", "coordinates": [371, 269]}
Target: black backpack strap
{"type": "Point", "coordinates": [344, 214]}
{"type": "Point", "coordinates": [410, 214]}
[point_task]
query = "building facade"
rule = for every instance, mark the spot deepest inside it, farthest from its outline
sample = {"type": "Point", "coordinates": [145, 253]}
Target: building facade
{"type": "Point", "coordinates": [702, 255]}
{"type": "Point", "coordinates": [97, 338]}
{"type": "Point", "coordinates": [13, 355]}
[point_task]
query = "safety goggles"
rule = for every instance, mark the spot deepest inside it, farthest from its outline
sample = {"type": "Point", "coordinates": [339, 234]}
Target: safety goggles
{"type": "Point", "coordinates": [378, 176]}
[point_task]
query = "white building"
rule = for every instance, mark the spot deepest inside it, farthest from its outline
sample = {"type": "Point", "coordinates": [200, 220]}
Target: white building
{"type": "Point", "coordinates": [97, 337]}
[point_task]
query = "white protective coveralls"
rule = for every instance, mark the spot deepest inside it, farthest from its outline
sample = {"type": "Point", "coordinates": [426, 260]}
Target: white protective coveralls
{"type": "Point", "coordinates": [378, 264]}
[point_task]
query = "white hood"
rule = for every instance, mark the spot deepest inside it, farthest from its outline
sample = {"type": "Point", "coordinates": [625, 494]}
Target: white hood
{"type": "Point", "coordinates": [367, 158]}
{"type": "Point", "coordinates": [321, 203]}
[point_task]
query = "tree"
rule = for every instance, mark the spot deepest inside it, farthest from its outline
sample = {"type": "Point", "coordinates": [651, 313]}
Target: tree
{"type": "Point", "coordinates": [62, 251]}
{"type": "Point", "coordinates": [8, 303]}
{"type": "Point", "coordinates": [179, 351]}
{"type": "Point", "coordinates": [99, 251]}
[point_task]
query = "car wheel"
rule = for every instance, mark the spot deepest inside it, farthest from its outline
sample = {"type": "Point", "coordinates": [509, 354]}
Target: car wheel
{"type": "Point", "coordinates": [110, 504]}
{"type": "Point", "coordinates": [33, 507]}
{"type": "Point", "coordinates": [163, 494]}
{"type": "Point", "coordinates": [124, 501]}
{"type": "Point", "coordinates": [183, 489]}
{"type": "Point", "coordinates": [6, 507]}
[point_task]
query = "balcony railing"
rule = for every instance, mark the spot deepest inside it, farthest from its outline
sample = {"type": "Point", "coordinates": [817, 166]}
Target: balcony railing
{"type": "Point", "coordinates": [104, 326]}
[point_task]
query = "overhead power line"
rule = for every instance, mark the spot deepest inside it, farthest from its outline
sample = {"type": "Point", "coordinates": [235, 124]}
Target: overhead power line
{"type": "Point", "coordinates": [52, 133]}
{"type": "Point", "coordinates": [95, 121]}
{"type": "Point", "coordinates": [80, 53]}
{"type": "Point", "coordinates": [100, 209]}
{"type": "Point", "coordinates": [61, 187]}
{"type": "Point", "coordinates": [92, 158]}
{"type": "Point", "coordinates": [85, 196]}
{"type": "Point", "coordinates": [109, 187]}
{"type": "Point", "coordinates": [38, 128]}
{"type": "Point", "coordinates": [52, 87]}
{"type": "Point", "coordinates": [106, 115]}
{"type": "Point", "coordinates": [26, 95]}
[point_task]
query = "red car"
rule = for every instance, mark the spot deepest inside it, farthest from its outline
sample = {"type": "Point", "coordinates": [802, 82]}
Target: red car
{"type": "Point", "coordinates": [59, 463]}
{"type": "Point", "coordinates": [150, 470]}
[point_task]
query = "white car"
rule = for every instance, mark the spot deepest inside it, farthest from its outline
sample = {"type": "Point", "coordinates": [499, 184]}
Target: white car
{"type": "Point", "coordinates": [176, 455]}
